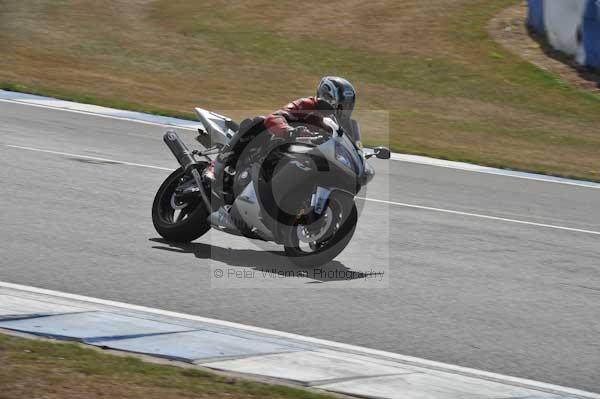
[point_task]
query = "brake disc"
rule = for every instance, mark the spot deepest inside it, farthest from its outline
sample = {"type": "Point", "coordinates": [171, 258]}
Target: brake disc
{"type": "Point", "coordinates": [312, 233]}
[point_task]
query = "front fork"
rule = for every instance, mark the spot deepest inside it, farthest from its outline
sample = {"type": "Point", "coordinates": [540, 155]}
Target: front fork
{"type": "Point", "coordinates": [319, 199]}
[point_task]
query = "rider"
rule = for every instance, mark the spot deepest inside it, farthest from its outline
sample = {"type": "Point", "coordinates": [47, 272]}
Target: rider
{"type": "Point", "coordinates": [335, 96]}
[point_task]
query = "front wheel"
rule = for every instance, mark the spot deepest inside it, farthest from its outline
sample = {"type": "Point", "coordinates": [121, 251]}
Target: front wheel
{"type": "Point", "coordinates": [175, 219]}
{"type": "Point", "coordinates": [322, 240]}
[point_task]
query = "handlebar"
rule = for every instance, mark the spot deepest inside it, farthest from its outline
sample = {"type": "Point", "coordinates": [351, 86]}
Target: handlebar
{"type": "Point", "coordinates": [320, 139]}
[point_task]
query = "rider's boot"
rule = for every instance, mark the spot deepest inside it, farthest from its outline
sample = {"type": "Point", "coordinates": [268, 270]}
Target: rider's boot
{"type": "Point", "coordinates": [221, 174]}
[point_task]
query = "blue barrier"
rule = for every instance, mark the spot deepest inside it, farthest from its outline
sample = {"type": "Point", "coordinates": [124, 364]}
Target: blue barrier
{"type": "Point", "coordinates": [591, 33]}
{"type": "Point", "coordinates": [588, 28]}
{"type": "Point", "coordinates": [535, 16]}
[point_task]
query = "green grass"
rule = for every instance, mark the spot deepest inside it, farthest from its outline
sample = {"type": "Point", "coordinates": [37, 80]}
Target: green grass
{"type": "Point", "coordinates": [504, 78]}
{"type": "Point", "coordinates": [449, 89]}
{"type": "Point", "coordinates": [34, 368]}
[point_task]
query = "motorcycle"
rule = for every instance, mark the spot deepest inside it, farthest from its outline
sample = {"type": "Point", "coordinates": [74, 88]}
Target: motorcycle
{"type": "Point", "coordinates": [299, 194]}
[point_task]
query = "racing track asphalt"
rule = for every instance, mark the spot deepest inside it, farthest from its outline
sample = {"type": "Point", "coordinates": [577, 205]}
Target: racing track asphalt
{"type": "Point", "coordinates": [487, 293]}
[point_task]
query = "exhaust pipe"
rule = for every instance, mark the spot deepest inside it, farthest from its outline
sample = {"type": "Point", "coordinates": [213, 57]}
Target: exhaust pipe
{"type": "Point", "coordinates": [186, 159]}
{"type": "Point", "coordinates": [181, 152]}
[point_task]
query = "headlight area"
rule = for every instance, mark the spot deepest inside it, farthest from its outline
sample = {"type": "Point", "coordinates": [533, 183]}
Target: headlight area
{"type": "Point", "coordinates": [342, 155]}
{"type": "Point", "coordinates": [368, 174]}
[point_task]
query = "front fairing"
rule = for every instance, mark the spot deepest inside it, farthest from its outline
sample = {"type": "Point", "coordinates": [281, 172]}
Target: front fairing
{"type": "Point", "coordinates": [351, 168]}
{"type": "Point", "coordinates": [301, 170]}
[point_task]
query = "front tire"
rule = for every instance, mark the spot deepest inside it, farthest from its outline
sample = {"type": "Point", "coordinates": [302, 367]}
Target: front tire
{"type": "Point", "coordinates": [304, 253]}
{"type": "Point", "coordinates": [178, 221]}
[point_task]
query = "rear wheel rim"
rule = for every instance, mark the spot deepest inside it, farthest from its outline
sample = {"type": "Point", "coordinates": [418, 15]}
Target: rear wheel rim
{"type": "Point", "coordinates": [172, 211]}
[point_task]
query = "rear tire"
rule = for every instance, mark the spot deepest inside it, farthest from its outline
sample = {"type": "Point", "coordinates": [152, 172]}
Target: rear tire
{"type": "Point", "coordinates": [178, 225]}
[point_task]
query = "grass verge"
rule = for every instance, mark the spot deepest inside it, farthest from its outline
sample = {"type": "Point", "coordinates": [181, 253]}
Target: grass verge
{"type": "Point", "coordinates": [37, 368]}
{"type": "Point", "coordinates": [447, 88]}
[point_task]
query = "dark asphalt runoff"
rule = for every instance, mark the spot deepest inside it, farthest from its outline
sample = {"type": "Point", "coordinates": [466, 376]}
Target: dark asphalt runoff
{"type": "Point", "coordinates": [492, 294]}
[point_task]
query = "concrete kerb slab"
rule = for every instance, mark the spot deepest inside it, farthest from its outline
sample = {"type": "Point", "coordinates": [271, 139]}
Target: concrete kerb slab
{"type": "Point", "coordinates": [90, 326]}
{"type": "Point", "coordinates": [194, 346]}
{"type": "Point", "coordinates": [12, 307]}
{"type": "Point", "coordinates": [431, 385]}
{"type": "Point", "coordinates": [310, 368]}
{"type": "Point", "coordinates": [267, 354]}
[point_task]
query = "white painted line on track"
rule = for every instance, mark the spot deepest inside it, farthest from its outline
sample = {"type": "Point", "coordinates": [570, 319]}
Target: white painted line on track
{"type": "Point", "coordinates": [477, 215]}
{"type": "Point", "coordinates": [109, 113]}
{"type": "Point", "coordinates": [86, 157]}
{"type": "Point", "coordinates": [469, 167]}
{"type": "Point", "coordinates": [516, 381]}
{"type": "Point", "coordinates": [139, 117]}
{"type": "Point", "coordinates": [414, 206]}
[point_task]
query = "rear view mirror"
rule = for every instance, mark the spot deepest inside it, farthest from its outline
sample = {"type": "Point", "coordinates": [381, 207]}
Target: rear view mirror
{"type": "Point", "coordinates": [382, 152]}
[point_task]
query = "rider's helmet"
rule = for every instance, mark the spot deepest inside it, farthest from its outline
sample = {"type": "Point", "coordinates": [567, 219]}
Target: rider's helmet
{"type": "Point", "coordinates": [339, 94]}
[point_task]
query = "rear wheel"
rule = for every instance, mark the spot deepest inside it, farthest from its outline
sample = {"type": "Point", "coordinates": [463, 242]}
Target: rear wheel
{"type": "Point", "coordinates": [320, 241]}
{"type": "Point", "coordinates": [177, 219]}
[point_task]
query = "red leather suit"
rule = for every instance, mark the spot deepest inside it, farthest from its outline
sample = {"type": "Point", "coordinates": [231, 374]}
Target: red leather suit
{"type": "Point", "coordinates": [303, 111]}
